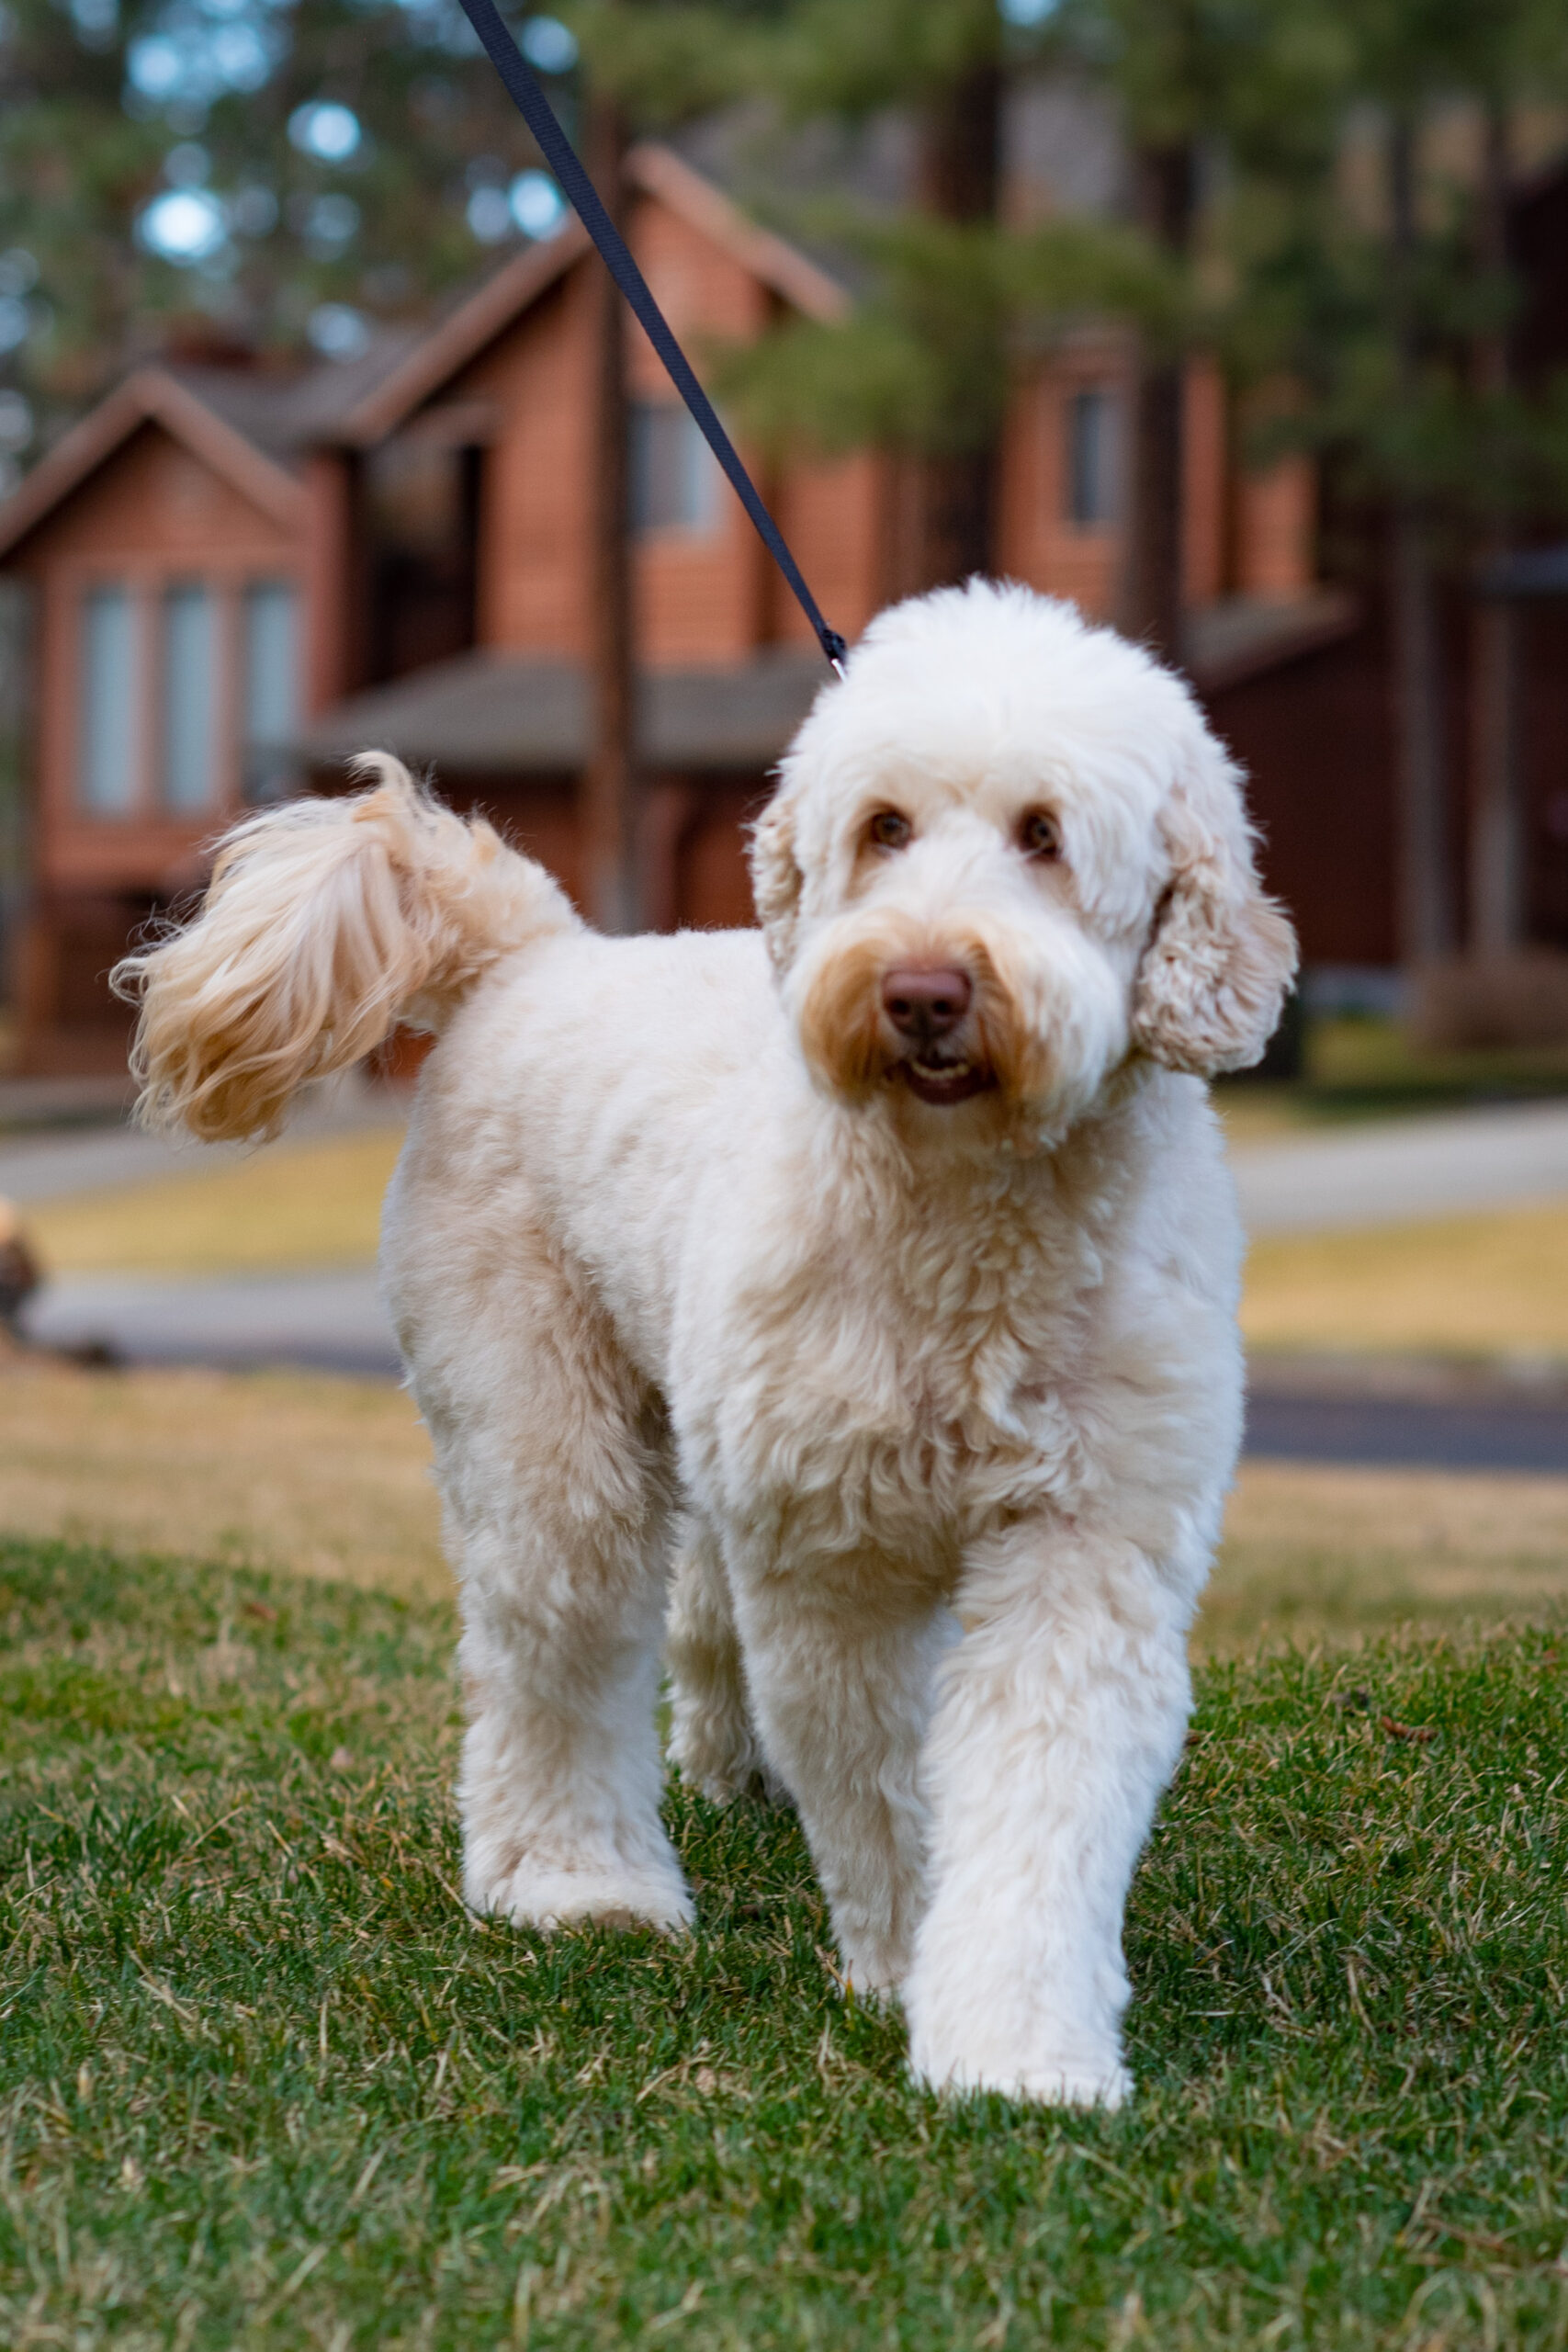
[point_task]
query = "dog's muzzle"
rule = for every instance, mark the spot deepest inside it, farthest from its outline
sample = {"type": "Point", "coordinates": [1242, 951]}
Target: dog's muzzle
{"type": "Point", "coordinates": [929, 1007]}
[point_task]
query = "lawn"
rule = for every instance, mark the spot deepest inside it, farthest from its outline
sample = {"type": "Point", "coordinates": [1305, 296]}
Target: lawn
{"type": "Point", "coordinates": [264, 2083]}
{"type": "Point", "coordinates": [1360, 1068]}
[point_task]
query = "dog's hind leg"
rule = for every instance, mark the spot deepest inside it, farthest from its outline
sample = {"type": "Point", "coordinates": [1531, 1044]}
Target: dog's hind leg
{"type": "Point", "coordinates": [841, 1669]}
{"type": "Point", "coordinates": [553, 1458]}
{"type": "Point", "coordinates": [713, 1739]}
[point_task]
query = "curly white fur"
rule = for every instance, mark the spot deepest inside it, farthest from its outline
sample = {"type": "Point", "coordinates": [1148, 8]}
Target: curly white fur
{"type": "Point", "coordinates": [949, 1392]}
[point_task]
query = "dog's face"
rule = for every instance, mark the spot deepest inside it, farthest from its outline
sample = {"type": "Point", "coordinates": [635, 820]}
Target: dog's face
{"type": "Point", "coordinates": [1006, 854]}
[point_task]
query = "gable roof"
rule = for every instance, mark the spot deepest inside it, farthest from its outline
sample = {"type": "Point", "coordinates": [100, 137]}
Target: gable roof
{"type": "Point", "coordinates": [151, 396]}
{"type": "Point", "coordinates": [497, 714]}
{"type": "Point", "coordinates": [651, 169]}
{"type": "Point", "coordinates": [437, 357]}
{"type": "Point", "coordinates": [247, 425]}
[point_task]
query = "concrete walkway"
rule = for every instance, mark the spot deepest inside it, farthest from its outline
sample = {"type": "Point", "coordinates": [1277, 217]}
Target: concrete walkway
{"type": "Point", "coordinates": [1403, 1170]}
{"type": "Point", "coordinates": [331, 1320]}
{"type": "Point", "coordinates": [334, 1322]}
{"type": "Point", "coordinates": [1394, 1172]}
{"type": "Point", "coordinates": [53, 1162]}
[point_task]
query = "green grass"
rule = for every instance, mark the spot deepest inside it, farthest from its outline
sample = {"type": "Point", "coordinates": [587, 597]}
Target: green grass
{"type": "Point", "coordinates": [1359, 1067]}
{"type": "Point", "coordinates": [264, 2083]}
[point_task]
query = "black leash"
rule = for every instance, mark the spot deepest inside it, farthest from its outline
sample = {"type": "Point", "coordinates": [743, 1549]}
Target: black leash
{"type": "Point", "coordinates": [563, 160]}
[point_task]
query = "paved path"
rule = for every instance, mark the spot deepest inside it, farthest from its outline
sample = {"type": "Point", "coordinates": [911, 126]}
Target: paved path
{"type": "Point", "coordinates": [331, 1320]}
{"type": "Point", "coordinates": [1488, 1432]}
{"type": "Point", "coordinates": [1388, 1173]}
{"type": "Point", "coordinates": [52, 1162]}
{"type": "Point", "coordinates": [1403, 1170]}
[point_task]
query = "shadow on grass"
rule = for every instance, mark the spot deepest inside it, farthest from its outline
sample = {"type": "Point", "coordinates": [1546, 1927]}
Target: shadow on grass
{"type": "Point", "coordinates": [263, 2082]}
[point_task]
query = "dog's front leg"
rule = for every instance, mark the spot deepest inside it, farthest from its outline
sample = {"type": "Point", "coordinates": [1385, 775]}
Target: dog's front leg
{"type": "Point", "coordinates": [1059, 1720]}
{"type": "Point", "coordinates": [839, 1663]}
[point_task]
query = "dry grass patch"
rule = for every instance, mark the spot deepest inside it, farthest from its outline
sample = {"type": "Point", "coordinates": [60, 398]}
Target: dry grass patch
{"type": "Point", "coordinates": [1489, 1286]}
{"type": "Point", "coordinates": [272, 1470]}
{"type": "Point", "coordinates": [331, 1478]}
{"type": "Point", "coordinates": [315, 1204]}
{"type": "Point", "coordinates": [1321, 1553]}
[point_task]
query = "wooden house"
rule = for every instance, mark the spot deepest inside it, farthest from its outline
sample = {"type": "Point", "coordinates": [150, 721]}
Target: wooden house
{"type": "Point", "coordinates": [240, 579]}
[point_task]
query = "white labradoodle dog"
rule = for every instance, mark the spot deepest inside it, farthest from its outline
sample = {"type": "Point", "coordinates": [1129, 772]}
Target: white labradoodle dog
{"type": "Point", "coordinates": [879, 1268]}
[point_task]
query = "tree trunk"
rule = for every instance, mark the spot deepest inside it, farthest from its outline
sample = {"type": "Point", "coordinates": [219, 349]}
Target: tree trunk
{"type": "Point", "coordinates": [1425, 897]}
{"type": "Point", "coordinates": [1425, 917]}
{"type": "Point", "coordinates": [1152, 591]}
{"type": "Point", "coordinates": [1497, 842]}
{"type": "Point", "coordinates": [960, 179]}
{"type": "Point", "coordinates": [607, 806]}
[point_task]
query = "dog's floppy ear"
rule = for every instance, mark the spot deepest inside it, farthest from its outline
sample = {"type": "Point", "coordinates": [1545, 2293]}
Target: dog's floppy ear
{"type": "Point", "coordinates": [1222, 954]}
{"type": "Point", "coordinates": [776, 878]}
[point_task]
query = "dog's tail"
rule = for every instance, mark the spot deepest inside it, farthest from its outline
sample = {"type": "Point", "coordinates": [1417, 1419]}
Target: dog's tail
{"type": "Point", "coordinates": [326, 923]}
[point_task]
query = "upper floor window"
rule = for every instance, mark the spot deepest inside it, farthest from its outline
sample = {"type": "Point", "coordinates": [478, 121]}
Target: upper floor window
{"type": "Point", "coordinates": [1093, 455]}
{"type": "Point", "coordinates": [110, 707]}
{"type": "Point", "coordinates": [675, 481]}
{"type": "Point", "coordinates": [189, 698]}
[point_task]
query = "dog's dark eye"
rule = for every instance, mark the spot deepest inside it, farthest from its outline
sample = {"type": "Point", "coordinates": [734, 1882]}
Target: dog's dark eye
{"type": "Point", "coordinates": [888, 829]}
{"type": "Point", "coordinates": [1039, 835]}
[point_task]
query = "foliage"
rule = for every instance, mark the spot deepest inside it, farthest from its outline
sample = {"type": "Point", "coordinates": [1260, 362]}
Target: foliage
{"type": "Point", "coordinates": [1381, 328]}
{"type": "Point", "coordinates": [922, 365]}
{"type": "Point", "coordinates": [1290, 276]}
{"type": "Point", "coordinates": [316, 161]}
{"type": "Point", "coordinates": [264, 2083]}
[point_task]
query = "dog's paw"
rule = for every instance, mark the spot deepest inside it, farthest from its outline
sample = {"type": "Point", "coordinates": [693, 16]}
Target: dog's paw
{"type": "Point", "coordinates": [882, 2000]}
{"type": "Point", "coordinates": [1044, 2081]}
{"type": "Point", "coordinates": [541, 1895]}
{"type": "Point", "coordinates": [871, 1979]}
{"type": "Point", "coordinates": [755, 1787]}
{"type": "Point", "coordinates": [716, 1753]}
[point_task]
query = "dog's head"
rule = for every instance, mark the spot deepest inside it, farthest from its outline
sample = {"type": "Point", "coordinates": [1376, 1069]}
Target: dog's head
{"type": "Point", "coordinates": [1006, 854]}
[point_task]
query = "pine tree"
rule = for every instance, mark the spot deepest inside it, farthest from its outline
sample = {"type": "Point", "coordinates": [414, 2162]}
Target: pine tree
{"type": "Point", "coordinates": [245, 173]}
{"type": "Point", "coordinates": [1396, 328]}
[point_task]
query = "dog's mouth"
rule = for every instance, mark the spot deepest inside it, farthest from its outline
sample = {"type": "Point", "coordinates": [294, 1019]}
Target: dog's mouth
{"type": "Point", "coordinates": [943, 1078]}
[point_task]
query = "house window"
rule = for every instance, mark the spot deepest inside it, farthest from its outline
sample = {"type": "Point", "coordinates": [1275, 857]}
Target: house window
{"type": "Point", "coordinates": [271, 700]}
{"type": "Point", "coordinates": [189, 696]}
{"type": "Point", "coordinates": [1093, 456]}
{"type": "Point", "coordinates": [110, 722]}
{"type": "Point", "coordinates": [675, 481]}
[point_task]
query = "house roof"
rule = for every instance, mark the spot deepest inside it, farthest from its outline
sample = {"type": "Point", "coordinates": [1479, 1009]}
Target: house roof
{"type": "Point", "coordinates": [1242, 637]}
{"type": "Point", "coordinates": [495, 714]}
{"type": "Point", "coordinates": [488, 713]}
{"type": "Point", "coordinates": [654, 171]}
{"type": "Point", "coordinates": [475, 322]}
{"type": "Point", "coordinates": [254, 426]}
{"type": "Point", "coordinates": [151, 396]}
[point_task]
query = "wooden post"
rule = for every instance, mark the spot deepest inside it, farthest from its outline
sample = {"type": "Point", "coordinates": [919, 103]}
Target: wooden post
{"type": "Point", "coordinates": [1496, 841]}
{"type": "Point", "coordinates": [959, 168]}
{"type": "Point", "coordinates": [1153, 542]}
{"type": "Point", "coordinates": [608, 797]}
{"type": "Point", "coordinates": [1425, 899]}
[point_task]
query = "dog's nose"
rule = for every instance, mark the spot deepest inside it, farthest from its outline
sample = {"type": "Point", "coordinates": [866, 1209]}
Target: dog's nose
{"type": "Point", "coordinates": [926, 1001]}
